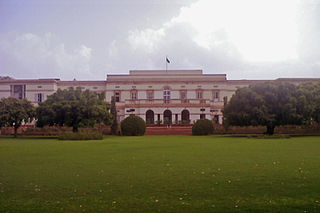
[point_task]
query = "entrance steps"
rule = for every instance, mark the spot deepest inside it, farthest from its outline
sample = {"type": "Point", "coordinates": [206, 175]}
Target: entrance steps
{"type": "Point", "coordinates": [174, 130]}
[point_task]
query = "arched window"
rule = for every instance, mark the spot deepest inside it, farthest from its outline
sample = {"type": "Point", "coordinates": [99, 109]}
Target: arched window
{"type": "Point", "coordinates": [167, 117]}
{"type": "Point", "coordinates": [166, 94]}
{"type": "Point", "coordinates": [185, 116]}
{"type": "Point", "coordinates": [149, 117]}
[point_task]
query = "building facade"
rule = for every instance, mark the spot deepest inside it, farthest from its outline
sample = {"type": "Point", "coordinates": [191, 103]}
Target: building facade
{"type": "Point", "coordinates": [157, 96]}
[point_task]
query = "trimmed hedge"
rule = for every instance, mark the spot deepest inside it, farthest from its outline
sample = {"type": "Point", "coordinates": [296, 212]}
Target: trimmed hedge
{"type": "Point", "coordinates": [81, 136]}
{"type": "Point", "coordinates": [133, 126]}
{"type": "Point", "coordinates": [202, 127]}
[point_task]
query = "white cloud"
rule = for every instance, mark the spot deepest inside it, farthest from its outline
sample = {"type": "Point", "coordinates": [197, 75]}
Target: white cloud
{"type": "Point", "coordinates": [31, 55]}
{"type": "Point", "coordinates": [262, 30]}
{"type": "Point", "coordinates": [84, 51]}
{"type": "Point", "coordinates": [113, 49]}
{"type": "Point", "coordinates": [147, 39]}
{"type": "Point", "coordinates": [244, 39]}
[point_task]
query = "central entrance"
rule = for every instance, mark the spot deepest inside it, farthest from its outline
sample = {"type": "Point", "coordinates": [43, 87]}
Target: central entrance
{"type": "Point", "coordinates": [167, 117]}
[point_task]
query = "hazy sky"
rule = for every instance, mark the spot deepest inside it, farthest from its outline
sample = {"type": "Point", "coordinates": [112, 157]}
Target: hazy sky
{"type": "Point", "coordinates": [246, 39]}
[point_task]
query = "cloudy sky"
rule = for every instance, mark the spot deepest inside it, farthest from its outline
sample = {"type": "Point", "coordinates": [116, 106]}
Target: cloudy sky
{"type": "Point", "coordinates": [88, 39]}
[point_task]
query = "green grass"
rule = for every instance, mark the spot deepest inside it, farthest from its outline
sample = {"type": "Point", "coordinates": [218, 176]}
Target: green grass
{"type": "Point", "coordinates": [160, 173]}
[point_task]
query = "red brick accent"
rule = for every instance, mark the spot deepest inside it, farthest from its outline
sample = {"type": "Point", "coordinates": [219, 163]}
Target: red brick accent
{"type": "Point", "coordinates": [169, 130]}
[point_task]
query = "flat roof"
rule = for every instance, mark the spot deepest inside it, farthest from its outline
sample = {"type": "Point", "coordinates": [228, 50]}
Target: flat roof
{"type": "Point", "coordinates": [167, 72]}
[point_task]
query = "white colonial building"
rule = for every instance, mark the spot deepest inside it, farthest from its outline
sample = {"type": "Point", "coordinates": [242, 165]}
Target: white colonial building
{"type": "Point", "coordinates": [172, 96]}
{"type": "Point", "coordinates": [176, 96]}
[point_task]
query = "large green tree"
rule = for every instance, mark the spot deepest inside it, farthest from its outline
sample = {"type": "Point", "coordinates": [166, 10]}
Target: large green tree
{"type": "Point", "coordinates": [74, 108]}
{"type": "Point", "coordinates": [14, 111]}
{"type": "Point", "coordinates": [308, 97]}
{"type": "Point", "coordinates": [268, 104]}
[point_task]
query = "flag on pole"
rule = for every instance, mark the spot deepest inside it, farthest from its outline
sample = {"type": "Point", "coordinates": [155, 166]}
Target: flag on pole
{"type": "Point", "coordinates": [167, 60]}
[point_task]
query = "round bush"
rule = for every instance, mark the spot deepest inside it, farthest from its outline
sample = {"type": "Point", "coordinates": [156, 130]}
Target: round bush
{"type": "Point", "coordinates": [202, 127]}
{"type": "Point", "coordinates": [133, 126]}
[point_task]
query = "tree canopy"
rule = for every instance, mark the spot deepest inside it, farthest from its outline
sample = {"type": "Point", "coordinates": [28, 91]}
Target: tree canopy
{"type": "Point", "coordinates": [309, 101]}
{"type": "Point", "coordinates": [74, 108]}
{"type": "Point", "coordinates": [269, 104]}
{"type": "Point", "coordinates": [14, 111]}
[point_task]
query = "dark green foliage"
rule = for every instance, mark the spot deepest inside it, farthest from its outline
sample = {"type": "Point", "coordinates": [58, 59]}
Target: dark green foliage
{"type": "Point", "coordinates": [267, 104]}
{"type": "Point", "coordinates": [308, 102]}
{"type": "Point", "coordinates": [74, 108]}
{"type": "Point", "coordinates": [202, 127]}
{"type": "Point", "coordinates": [133, 126]}
{"type": "Point", "coordinates": [13, 111]}
{"type": "Point", "coordinates": [81, 136]}
{"type": "Point", "coordinates": [113, 111]}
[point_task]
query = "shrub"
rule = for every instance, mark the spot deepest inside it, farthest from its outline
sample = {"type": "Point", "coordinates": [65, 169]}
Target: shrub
{"type": "Point", "coordinates": [80, 136]}
{"type": "Point", "coordinates": [202, 127]}
{"type": "Point", "coordinates": [133, 126]}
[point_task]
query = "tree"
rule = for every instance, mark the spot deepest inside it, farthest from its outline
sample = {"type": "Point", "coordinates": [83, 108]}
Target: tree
{"type": "Point", "coordinates": [113, 111]}
{"type": "Point", "coordinates": [14, 111]}
{"type": "Point", "coordinates": [267, 104]}
{"type": "Point", "coordinates": [308, 97]}
{"type": "Point", "coordinates": [74, 108]}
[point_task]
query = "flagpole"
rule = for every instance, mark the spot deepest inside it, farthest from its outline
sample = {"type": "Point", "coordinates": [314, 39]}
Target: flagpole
{"type": "Point", "coordinates": [166, 64]}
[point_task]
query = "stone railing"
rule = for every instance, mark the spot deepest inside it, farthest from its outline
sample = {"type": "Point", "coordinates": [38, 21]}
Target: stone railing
{"type": "Point", "coordinates": [164, 101]}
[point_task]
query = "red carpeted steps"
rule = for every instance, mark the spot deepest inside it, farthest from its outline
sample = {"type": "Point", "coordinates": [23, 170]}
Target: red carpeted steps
{"type": "Point", "coordinates": [176, 130]}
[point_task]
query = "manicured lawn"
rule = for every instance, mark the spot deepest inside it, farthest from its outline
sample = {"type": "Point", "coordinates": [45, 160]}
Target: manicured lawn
{"type": "Point", "coordinates": [160, 173]}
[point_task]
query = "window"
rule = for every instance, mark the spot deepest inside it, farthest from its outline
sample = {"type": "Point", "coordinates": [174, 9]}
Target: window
{"type": "Point", "coordinates": [134, 95]}
{"type": "Point", "coordinates": [150, 95]}
{"type": "Point", "coordinates": [39, 97]}
{"type": "Point", "coordinates": [166, 94]}
{"type": "Point", "coordinates": [18, 91]}
{"type": "Point", "coordinates": [215, 96]}
{"type": "Point", "coordinates": [199, 94]}
{"type": "Point", "coordinates": [117, 96]}
{"type": "Point", "coordinates": [39, 87]}
{"type": "Point", "coordinates": [202, 116]}
{"type": "Point", "coordinates": [95, 87]}
{"type": "Point", "coordinates": [183, 95]}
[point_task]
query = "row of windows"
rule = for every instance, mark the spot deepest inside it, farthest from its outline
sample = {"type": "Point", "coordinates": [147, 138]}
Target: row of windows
{"type": "Point", "coordinates": [182, 86]}
{"type": "Point", "coordinates": [83, 88]}
{"type": "Point", "coordinates": [167, 95]}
